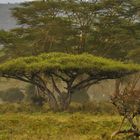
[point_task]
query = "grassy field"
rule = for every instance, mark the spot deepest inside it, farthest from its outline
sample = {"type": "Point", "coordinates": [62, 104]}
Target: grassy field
{"type": "Point", "coordinates": [58, 126]}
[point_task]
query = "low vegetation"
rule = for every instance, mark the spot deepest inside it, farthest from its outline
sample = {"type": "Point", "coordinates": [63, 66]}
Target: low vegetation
{"type": "Point", "coordinates": [59, 126]}
{"type": "Point", "coordinates": [12, 95]}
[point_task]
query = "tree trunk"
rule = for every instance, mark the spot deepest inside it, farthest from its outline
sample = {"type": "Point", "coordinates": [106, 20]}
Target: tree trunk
{"type": "Point", "coordinates": [68, 100]}
{"type": "Point", "coordinates": [65, 102]}
{"type": "Point", "coordinates": [60, 103]}
{"type": "Point", "coordinates": [57, 99]}
{"type": "Point", "coordinates": [51, 100]}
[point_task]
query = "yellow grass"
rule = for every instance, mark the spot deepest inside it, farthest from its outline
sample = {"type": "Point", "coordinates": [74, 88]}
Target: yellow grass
{"type": "Point", "coordinates": [58, 126]}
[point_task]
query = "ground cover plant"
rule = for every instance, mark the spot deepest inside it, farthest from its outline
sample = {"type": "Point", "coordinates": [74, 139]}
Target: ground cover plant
{"type": "Point", "coordinates": [59, 126]}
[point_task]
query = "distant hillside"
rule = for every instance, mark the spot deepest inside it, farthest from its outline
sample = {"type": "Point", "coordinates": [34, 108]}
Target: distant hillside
{"type": "Point", "coordinates": [6, 20]}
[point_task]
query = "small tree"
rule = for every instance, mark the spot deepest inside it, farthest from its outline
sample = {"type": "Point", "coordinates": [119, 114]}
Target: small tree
{"type": "Point", "coordinates": [58, 75]}
{"type": "Point", "coordinates": [127, 101]}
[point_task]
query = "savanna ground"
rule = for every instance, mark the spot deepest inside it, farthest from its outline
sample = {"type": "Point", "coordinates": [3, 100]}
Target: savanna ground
{"type": "Point", "coordinates": [58, 126]}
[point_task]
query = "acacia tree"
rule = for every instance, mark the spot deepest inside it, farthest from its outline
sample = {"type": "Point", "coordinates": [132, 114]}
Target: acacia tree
{"type": "Point", "coordinates": [75, 72]}
{"type": "Point", "coordinates": [118, 28]}
{"type": "Point", "coordinates": [108, 28]}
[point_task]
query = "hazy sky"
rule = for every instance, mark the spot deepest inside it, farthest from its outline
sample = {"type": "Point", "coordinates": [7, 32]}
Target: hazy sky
{"type": "Point", "coordinates": [13, 1]}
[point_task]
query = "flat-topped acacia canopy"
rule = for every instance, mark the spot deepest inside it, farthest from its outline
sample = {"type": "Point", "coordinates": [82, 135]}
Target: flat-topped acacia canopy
{"type": "Point", "coordinates": [64, 62]}
{"type": "Point", "coordinates": [68, 68]}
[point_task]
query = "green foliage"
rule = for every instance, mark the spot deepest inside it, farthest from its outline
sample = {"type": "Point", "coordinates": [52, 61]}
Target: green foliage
{"type": "Point", "coordinates": [134, 54]}
{"type": "Point", "coordinates": [118, 31]}
{"type": "Point", "coordinates": [12, 95]}
{"type": "Point", "coordinates": [5, 37]}
{"type": "Point", "coordinates": [61, 61]}
{"type": "Point", "coordinates": [108, 28]}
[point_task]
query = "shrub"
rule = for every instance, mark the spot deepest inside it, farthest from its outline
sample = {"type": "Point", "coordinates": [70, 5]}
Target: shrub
{"type": "Point", "coordinates": [12, 95]}
{"type": "Point", "coordinates": [93, 107]}
{"type": "Point", "coordinates": [20, 108]}
{"type": "Point", "coordinates": [33, 97]}
{"type": "Point", "coordinates": [90, 107]}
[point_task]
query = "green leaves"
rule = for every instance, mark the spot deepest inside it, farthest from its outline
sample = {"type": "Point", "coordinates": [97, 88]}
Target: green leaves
{"type": "Point", "coordinates": [62, 61]}
{"type": "Point", "coordinates": [108, 28]}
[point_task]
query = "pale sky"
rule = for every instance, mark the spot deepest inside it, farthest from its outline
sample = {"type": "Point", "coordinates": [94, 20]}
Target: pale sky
{"type": "Point", "coordinates": [13, 1]}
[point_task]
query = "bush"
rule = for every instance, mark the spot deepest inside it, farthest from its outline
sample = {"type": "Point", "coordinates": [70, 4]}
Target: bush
{"type": "Point", "coordinates": [100, 108]}
{"type": "Point", "coordinates": [12, 95]}
{"type": "Point", "coordinates": [21, 108]}
{"type": "Point", "coordinates": [93, 107]}
{"type": "Point", "coordinates": [33, 97]}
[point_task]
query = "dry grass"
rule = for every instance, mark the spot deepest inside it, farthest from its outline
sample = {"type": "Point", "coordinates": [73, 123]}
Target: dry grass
{"type": "Point", "coordinates": [57, 126]}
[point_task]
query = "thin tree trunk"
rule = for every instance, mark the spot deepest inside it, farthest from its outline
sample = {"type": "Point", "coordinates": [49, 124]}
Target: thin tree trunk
{"type": "Point", "coordinates": [63, 99]}
{"type": "Point", "coordinates": [68, 100]}
{"type": "Point", "coordinates": [51, 100]}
